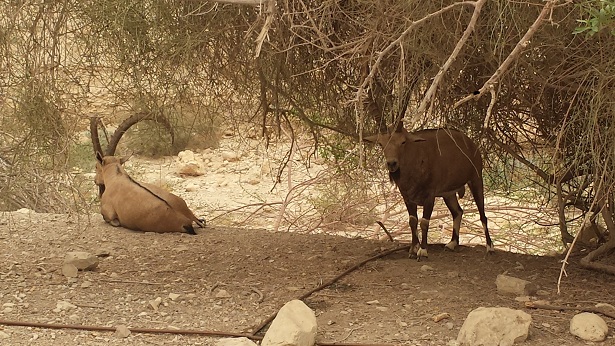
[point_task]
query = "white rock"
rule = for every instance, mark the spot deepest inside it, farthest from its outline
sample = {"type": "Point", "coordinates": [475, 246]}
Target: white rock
{"type": "Point", "coordinates": [235, 342]}
{"type": "Point", "coordinates": [173, 296]}
{"type": "Point", "coordinates": [426, 268]}
{"type": "Point", "coordinates": [605, 306]}
{"type": "Point", "coordinates": [589, 327]}
{"type": "Point", "coordinates": [190, 169]}
{"type": "Point", "coordinates": [82, 260]}
{"type": "Point", "coordinates": [62, 305]}
{"type": "Point", "coordinates": [516, 286]}
{"type": "Point", "coordinates": [122, 331]}
{"type": "Point", "coordinates": [230, 156]}
{"type": "Point", "coordinates": [294, 325]}
{"type": "Point", "coordinates": [192, 187]}
{"type": "Point", "coordinates": [222, 294]}
{"type": "Point", "coordinates": [155, 304]}
{"type": "Point", "coordinates": [69, 270]}
{"type": "Point", "coordinates": [494, 326]}
{"type": "Point", "coordinates": [186, 156]}
{"type": "Point", "coordinates": [4, 335]}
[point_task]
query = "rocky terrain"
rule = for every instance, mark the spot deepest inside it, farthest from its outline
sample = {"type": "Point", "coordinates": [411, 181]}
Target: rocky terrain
{"type": "Point", "coordinates": [230, 279]}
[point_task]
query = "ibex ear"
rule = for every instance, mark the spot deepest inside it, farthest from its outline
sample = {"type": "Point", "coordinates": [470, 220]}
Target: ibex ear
{"type": "Point", "coordinates": [414, 138]}
{"type": "Point", "coordinates": [99, 157]}
{"type": "Point", "coordinates": [371, 139]}
{"type": "Point", "coordinates": [123, 159]}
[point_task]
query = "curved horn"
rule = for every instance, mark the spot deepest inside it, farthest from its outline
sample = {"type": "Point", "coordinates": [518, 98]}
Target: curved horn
{"type": "Point", "coordinates": [94, 121]}
{"type": "Point", "coordinates": [132, 120]}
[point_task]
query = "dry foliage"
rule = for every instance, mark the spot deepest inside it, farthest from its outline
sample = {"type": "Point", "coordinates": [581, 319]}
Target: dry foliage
{"type": "Point", "coordinates": [510, 73]}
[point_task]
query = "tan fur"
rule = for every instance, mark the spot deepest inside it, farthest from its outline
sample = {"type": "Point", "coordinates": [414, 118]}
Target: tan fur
{"type": "Point", "coordinates": [136, 206]}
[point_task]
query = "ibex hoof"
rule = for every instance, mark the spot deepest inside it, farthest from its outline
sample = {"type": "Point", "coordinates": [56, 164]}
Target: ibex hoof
{"type": "Point", "coordinates": [421, 253]}
{"type": "Point", "coordinates": [490, 249]}
{"type": "Point", "coordinates": [413, 251]}
{"type": "Point", "coordinates": [451, 245]}
{"type": "Point", "coordinates": [190, 230]}
{"type": "Point", "coordinates": [115, 223]}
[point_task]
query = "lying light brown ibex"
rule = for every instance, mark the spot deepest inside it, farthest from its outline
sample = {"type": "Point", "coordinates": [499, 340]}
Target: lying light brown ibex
{"type": "Point", "coordinates": [137, 206]}
{"type": "Point", "coordinates": [433, 163]}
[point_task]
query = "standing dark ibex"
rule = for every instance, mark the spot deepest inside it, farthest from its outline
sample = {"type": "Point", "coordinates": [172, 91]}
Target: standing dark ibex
{"type": "Point", "coordinates": [433, 163]}
{"type": "Point", "coordinates": [130, 204]}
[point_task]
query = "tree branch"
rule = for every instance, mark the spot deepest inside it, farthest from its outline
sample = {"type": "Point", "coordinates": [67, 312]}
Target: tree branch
{"type": "Point", "coordinates": [514, 54]}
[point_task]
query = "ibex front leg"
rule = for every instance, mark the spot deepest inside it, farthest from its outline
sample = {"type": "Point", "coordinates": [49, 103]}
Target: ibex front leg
{"type": "Point", "coordinates": [427, 210]}
{"type": "Point", "coordinates": [413, 222]}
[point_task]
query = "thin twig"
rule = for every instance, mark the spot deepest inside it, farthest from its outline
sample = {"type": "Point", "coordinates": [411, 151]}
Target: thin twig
{"type": "Point", "coordinates": [385, 230]}
{"type": "Point", "coordinates": [130, 282]}
{"type": "Point", "coordinates": [332, 281]}
{"type": "Point", "coordinates": [133, 330]}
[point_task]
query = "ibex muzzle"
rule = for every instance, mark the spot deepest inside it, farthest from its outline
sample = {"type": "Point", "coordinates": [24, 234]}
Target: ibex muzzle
{"type": "Point", "coordinates": [141, 207]}
{"type": "Point", "coordinates": [433, 163]}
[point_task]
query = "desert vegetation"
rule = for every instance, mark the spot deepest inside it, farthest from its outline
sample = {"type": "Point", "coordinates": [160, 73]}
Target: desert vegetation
{"type": "Point", "coordinates": [532, 81]}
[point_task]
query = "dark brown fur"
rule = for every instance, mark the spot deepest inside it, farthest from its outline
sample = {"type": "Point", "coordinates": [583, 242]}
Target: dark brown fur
{"type": "Point", "coordinates": [433, 163]}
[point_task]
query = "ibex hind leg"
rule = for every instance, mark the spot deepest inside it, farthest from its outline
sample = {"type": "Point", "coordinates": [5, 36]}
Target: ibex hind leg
{"type": "Point", "coordinates": [476, 186]}
{"type": "Point", "coordinates": [189, 229]}
{"type": "Point", "coordinates": [457, 212]}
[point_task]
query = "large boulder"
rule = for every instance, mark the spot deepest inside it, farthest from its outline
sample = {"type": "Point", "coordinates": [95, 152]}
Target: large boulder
{"type": "Point", "coordinates": [295, 325]}
{"type": "Point", "coordinates": [494, 327]}
{"type": "Point", "coordinates": [589, 327]}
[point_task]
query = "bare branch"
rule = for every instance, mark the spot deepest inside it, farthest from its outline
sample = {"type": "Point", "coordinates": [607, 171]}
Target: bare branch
{"type": "Point", "coordinates": [478, 5]}
{"type": "Point", "coordinates": [514, 54]}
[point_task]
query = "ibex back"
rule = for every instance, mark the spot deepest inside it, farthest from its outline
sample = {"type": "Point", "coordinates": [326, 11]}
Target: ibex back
{"type": "Point", "coordinates": [141, 207]}
{"type": "Point", "coordinates": [433, 163]}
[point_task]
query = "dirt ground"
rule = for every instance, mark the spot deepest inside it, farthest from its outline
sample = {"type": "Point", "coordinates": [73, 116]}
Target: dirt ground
{"type": "Point", "coordinates": [232, 279]}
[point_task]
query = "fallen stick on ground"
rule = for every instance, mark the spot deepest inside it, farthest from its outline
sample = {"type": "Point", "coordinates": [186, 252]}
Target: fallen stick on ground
{"type": "Point", "coordinates": [332, 281]}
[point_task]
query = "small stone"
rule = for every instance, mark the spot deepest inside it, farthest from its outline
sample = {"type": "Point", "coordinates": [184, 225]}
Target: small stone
{"type": "Point", "coordinates": [452, 274]}
{"type": "Point", "coordinates": [121, 331]}
{"type": "Point", "coordinates": [86, 284]}
{"type": "Point", "coordinates": [69, 270]}
{"type": "Point", "coordinates": [82, 260]}
{"type": "Point", "coordinates": [155, 304]}
{"type": "Point", "coordinates": [235, 342]}
{"type": "Point", "coordinates": [173, 296]}
{"type": "Point", "coordinates": [426, 268]}
{"type": "Point", "coordinates": [372, 302]}
{"type": "Point", "coordinates": [192, 187]}
{"type": "Point", "coordinates": [382, 308]}
{"type": "Point", "coordinates": [512, 285]}
{"type": "Point", "coordinates": [230, 156]}
{"type": "Point", "coordinates": [222, 294]}
{"type": "Point", "coordinates": [523, 299]}
{"type": "Point", "coordinates": [62, 305]}
{"type": "Point", "coordinates": [190, 169]}
{"type": "Point", "coordinates": [4, 335]}
{"type": "Point", "coordinates": [605, 306]}
{"type": "Point", "coordinates": [449, 325]}
{"type": "Point", "coordinates": [439, 317]}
